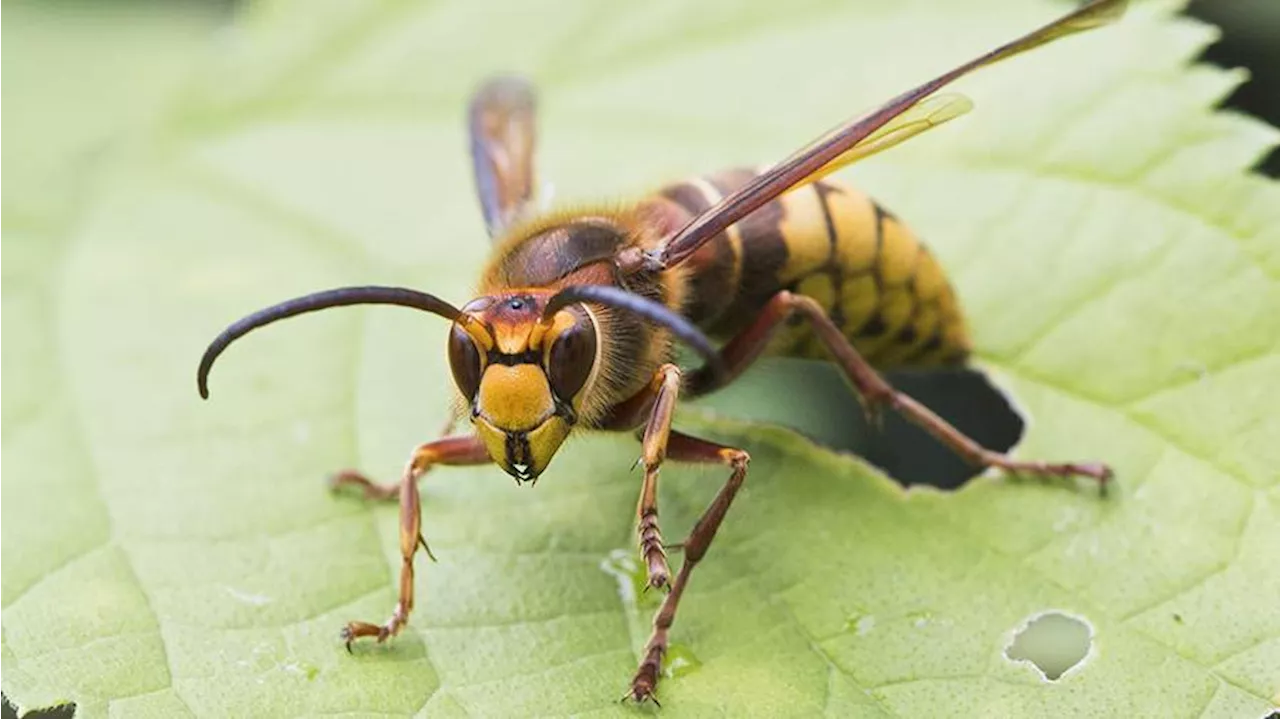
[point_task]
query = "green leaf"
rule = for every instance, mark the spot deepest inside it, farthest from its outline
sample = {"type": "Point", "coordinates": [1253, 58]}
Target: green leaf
{"type": "Point", "coordinates": [165, 556]}
{"type": "Point", "coordinates": [111, 66]}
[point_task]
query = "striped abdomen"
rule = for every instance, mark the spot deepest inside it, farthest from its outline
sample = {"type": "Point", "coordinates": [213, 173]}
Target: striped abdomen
{"type": "Point", "coordinates": [879, 284]}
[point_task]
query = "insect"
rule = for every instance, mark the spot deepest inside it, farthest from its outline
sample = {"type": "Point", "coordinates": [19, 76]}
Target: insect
{"type": "Point", "coordinates": [577, 314]}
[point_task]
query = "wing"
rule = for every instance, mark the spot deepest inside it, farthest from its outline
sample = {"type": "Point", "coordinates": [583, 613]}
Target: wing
{"type": "Point", "coordinates": [865, 135]}
{"type": "Point", "coordinates": [924, 115]}
{"type": "Point", "coordinates": [501, 121]}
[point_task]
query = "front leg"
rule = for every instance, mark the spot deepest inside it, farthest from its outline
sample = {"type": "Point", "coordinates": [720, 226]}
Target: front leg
{"type": "Point", "coordinates": [391, 490]}
{"type": "Point", "coordinates": [450, 450]}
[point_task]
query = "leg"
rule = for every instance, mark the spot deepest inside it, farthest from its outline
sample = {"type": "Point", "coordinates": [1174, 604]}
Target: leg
{"type": "Point", "coordinates": [684, 448]}
{"type": "Point", "coordinates": [369, 488]}
{"type": "Point", "coordinates": [450, 450]}
{"type": "Point", "coordinates": [376, 490]}
{"type": "Point", "coordinates": [872, 388]}
{"type": "Point", "coordinates": [665, 388]}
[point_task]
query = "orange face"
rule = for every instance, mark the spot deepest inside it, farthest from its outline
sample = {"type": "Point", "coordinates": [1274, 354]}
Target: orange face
{"type": "Point", "coordinates": [524, 377]}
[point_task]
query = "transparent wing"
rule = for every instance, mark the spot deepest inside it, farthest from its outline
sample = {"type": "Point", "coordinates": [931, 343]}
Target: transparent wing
{"type": "Point", "coordinates": [920, 117]}
{"type": "Point", "coordinates": [502, 124]}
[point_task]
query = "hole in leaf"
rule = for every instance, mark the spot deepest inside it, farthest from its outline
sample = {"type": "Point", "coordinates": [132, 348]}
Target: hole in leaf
{"type": "Point", "coordinates": [813, 398]}
{"type": "Point", "coordinates": [1052, 642]}
{"type": "Point", "coordinates": [62, 711]}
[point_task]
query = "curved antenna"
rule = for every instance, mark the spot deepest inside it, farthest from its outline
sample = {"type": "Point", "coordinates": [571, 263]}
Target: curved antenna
{"type": "Point", "coordinates": [338, 297]}
{"type": "Point", "coordinates": [612, 296]}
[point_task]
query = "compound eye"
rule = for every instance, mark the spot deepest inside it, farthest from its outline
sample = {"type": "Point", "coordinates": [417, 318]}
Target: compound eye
{"type": "Point", "coordinates": [464, 359]}
{"type": "Point", "coordinates": [573, 354]}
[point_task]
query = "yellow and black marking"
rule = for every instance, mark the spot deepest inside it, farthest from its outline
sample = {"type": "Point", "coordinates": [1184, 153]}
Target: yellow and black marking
{"type": "Point", "coordinates": [880, 285]}
{"type": "Point", "coordinates": [578, 248]}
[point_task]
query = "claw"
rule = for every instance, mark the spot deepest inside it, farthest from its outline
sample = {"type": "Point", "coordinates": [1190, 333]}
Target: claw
{"type": "Point", "coordinates": [659, 581]}
{"type": "Point", "coordinates": [645, 680]}
{"type": "Point", "coordinates": [356, 630]}
{"type": "Point", "coordinates": [1100, 472]}
{"type": "Point", "coordinates": [640, 696]}
{"type": "Point", "coordinates": [657, 573]}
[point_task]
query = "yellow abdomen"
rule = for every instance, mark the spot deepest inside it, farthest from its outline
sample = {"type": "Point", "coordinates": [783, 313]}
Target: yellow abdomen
{"type": "Point", "coordinates": [878, 282]}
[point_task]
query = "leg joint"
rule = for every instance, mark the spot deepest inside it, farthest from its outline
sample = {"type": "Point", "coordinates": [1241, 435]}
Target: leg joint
{"type": "Point", "coordinates": [422, 459]}
{"type": "Point", "coordinates": [669, 372]}
{"type": "Point", "coordinates": [736, 458]}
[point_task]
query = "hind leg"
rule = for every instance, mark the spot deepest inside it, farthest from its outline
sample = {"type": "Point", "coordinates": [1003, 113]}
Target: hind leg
{"type": "Point", "coordinates": [873, 390]}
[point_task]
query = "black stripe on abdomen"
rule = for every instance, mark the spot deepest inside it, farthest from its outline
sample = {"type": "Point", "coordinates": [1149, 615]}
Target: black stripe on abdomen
{"type": "Point", "coordinates": [713, 269]}
{"type": "Point", "coordinates": [764, 253]}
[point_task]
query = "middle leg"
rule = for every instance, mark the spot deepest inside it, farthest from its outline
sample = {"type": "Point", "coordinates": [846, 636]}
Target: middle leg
{"type": "Point", "coordinates": [683, 448]}
{"type": "Point", "coordinates": [370, 489]}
